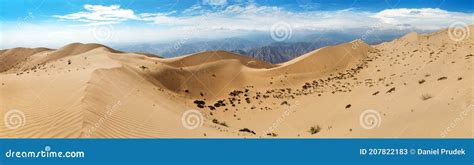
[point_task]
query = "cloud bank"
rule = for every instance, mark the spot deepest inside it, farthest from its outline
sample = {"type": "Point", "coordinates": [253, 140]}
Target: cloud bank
{"type": "Point", "coordinates": [260, 18]}
{"type": "Point", "coordinates": [98, 14]}
{"type": "Point", "coordinates": [208, 21]}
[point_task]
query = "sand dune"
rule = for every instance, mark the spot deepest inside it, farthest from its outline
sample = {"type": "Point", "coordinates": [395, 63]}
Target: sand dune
{"type": "Point", "coordinates": [215, 56]}
{"type": "Point", "coordinates": [11, 57]}
{"type": "Point", "coordinates": [331, 58]}
{"type": "Point", "coordinates": [419, 85]}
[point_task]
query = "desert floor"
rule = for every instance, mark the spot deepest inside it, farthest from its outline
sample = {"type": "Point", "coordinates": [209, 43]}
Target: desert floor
{"type": "Point", "coordinates": [420, 85]}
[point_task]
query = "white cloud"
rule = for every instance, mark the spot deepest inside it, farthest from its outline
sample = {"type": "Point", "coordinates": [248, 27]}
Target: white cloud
{"type": "Point", "coordinates": [232, 20]}
{"type": "Point", "coordinates": [98, 14]}
{"type": "Point", "coordinates": [261, 18]}
{"type": "Point", "coordinates": [194, 9]}
{"type": "Point", "coordinates": [215, 2]}
{"type": "Point", "coordinates": [424, 18]}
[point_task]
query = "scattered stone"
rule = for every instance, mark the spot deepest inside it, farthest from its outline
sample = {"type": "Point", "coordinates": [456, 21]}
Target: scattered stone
{"type": "Point", "coordinates": [348, 106]}
{"type": "Point", "coordinates": [442, 78]}
{"type": "Point", "coordinates": [247, 130]}
{"type": "Point", "coordinates": [314, 130]}
{"type": "Point", "coordinates": [272, 134]}
{"type": "Point", "coordinates": [200, 103]}
{"type": "Point", "coordinates": [391, 90]}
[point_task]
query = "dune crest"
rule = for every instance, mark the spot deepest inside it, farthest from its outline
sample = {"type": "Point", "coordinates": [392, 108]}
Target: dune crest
{"type": "Point", "coordinates": [328, 59]}
{"type": "Point", "coordinates": [213, 56]}
{"type": "Point", "coordinates": [410, 37]}
{"type": "Point", "coordinates": [11, 57]}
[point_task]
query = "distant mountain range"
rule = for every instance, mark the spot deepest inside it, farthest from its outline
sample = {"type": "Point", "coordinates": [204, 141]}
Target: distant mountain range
{"type": "Point", "coordinates": [279, 52]}
{"type": "Point", "coordinates": [183, 47]}
{"type": "Point", "coordinates": [259, 47]}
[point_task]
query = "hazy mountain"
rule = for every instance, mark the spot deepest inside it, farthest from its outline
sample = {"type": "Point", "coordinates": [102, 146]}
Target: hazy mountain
{"type": "Point", "coordinates": [183, 47]}
{"type": "Point", "coordinates": [262, 47]}
{"type": "Point", "coordinates": [279, 52]}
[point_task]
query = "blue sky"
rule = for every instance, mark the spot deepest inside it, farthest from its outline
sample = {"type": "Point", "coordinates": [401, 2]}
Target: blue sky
{"type": "Point", "coordinates": [18, 8]}
{"type": "Point", "coordinates": [28, 22]}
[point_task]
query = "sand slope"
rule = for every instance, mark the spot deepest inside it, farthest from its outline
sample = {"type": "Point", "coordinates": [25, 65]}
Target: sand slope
{"type": "Point", "coordinates": [420, 86]}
